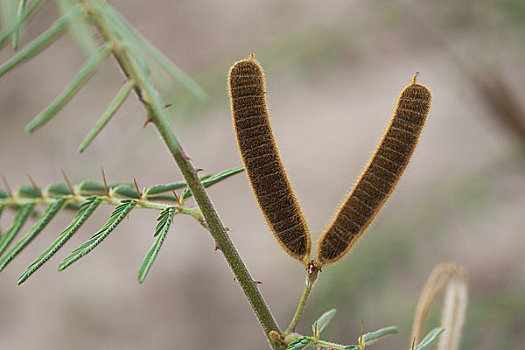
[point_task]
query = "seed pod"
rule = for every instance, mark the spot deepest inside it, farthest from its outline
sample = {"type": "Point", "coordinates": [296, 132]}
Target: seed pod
{"type": "Point", "coordinates": [261, 159]}
{"type": "Point", "coordinates": [380, 177]}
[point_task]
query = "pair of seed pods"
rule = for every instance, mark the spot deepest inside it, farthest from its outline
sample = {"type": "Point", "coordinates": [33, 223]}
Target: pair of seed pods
{"type": "Point", "coordinates": [272, 188]}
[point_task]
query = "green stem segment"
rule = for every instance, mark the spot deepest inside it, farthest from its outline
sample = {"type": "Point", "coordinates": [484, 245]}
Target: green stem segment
{"type": "Point", "coordinates": [130, 61]}
{"type": "Point", "coordinates": [300, 308]}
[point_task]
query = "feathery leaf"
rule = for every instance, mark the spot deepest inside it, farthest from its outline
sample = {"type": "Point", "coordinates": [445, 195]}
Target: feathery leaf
{"type": "Point", "coordinates": [6, 33]}
{"type": "Point", "coordinates": [82, 77]}
{"type": "Point", "coordinates": [83, 214]}
{"type": "Point", "coordinates": [48, 215]}
{"type": "Point", "coordinates": [40, 43]}
{"type": "Point", "coordinates": [213, 180]}
{"type": "Point", "coordinates": [165, 219]}
{"type": "Point", "coordinates": [19, 221]}
{"type": "Point", "coordinates": [106, 117]}
{"type": "Point", "coordinates": [323, 321]}
{"type": "Point", "coordinates": [116, 217]}
{"type": "Point", "coordinates": [430, 338]}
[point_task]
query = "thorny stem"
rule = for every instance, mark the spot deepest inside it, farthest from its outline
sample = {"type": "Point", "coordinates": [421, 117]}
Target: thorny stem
{"type": "Point", "coordinates": [154, 107]}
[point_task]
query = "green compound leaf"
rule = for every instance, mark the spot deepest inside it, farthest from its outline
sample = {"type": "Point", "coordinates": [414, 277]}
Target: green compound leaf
{"type": "Point", "coordinates": [83, 214]}
{"type": "Point", "coordinates": [120, 212]}
{"type": "Point", "coordinates": [371, 337]}
{"type": "Point", "coordinates": [19, 221]}
{"type": "Point", "coordinates": [299, 344]}
{"type": "Point", "coordinates": [106, 117]}
{"type": "Point", "coordinates": [430, 338]}
{"type": "Point", "coordinates": [40, 43]}
{"type": "Point", "coordinates": [165, 219]}
{"type": "Point", "coordinates": [212, 180]}
{"type": "Point", "coordinates": [86, 71]}
{"type": "Point", "coordinates": [6, 33]}
{"type": "Point", "coordinates": [323, 321]}
{"type": "Point", "coordinates": [48, 215]}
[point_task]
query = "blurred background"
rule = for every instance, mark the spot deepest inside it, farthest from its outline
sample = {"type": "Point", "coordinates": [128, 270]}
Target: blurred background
{"type": "Point", "coordinates": [334, 70]}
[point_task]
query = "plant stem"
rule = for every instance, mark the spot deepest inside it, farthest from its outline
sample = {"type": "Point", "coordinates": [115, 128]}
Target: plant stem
{"type": "Point", "coordinates": [149, 96]}
{"type": "Point", "coordinates": [214, 224]}
{"type": "Point", "coordinates": [300, 308]}
{"type": "Point", "coordinates": [47, 200]}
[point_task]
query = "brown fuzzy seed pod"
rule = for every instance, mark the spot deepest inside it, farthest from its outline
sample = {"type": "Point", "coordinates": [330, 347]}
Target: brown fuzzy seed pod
{"type": "Point", "coordinates": [380, 177]}
{"type": "Point", "coordinates": [261, 159]}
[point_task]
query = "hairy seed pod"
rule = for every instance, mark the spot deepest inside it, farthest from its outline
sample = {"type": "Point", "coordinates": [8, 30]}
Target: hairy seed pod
{"type": "Point", "coordinates": [261, 159]}
{"type": "Point", "coordinates": [380, 177]}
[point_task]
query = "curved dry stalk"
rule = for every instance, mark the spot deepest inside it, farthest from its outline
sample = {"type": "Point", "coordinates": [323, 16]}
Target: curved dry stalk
{"type": "Point", "coordinates": [453, 277]}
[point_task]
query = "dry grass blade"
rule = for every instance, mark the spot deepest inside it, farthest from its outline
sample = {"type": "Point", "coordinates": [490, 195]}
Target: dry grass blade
{"type": "Point", "coordinates": [453, 277]}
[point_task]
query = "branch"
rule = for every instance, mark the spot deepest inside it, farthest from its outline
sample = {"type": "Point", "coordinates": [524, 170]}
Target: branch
{"type": "Point", "coordinates": [132, 64]}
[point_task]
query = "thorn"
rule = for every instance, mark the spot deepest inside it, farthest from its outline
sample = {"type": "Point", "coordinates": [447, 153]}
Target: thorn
{"type": "Point", "coordinates": [67, 181]}
{"type": "Point", "coordinates": [199, 170]}
{"type": "Point", "coordinates": [137, 188]}
{"type": "Point", "coordinates": [148, 120]}
{"type": "Point", "coordinates": [361, 343]}
{"type": "Point", "coordinates": [35, 186]}
{"type": "Point", "coordinates": [105, 182]}
{"type": "Point", "coordinates": [254, 281]}
{"type": "Point", "coordinates": [184, 155]}
{"type": "Point", "coordinates": [217, 246]}
{"type": "Point", "coordinates": [227, 228]}
{"type": "Point", "coordinates": [144, 102]}
{"type": "Point", "coordinates": [7, 187]}
{"type": "Point", "coordinates": [413, 343]}
{"type": "Point", "coordinates": [177, 198]}
{"type": "Point", "coordinates": [167, 105]}
{"type": "Point", "coordinates": [252, 56]}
